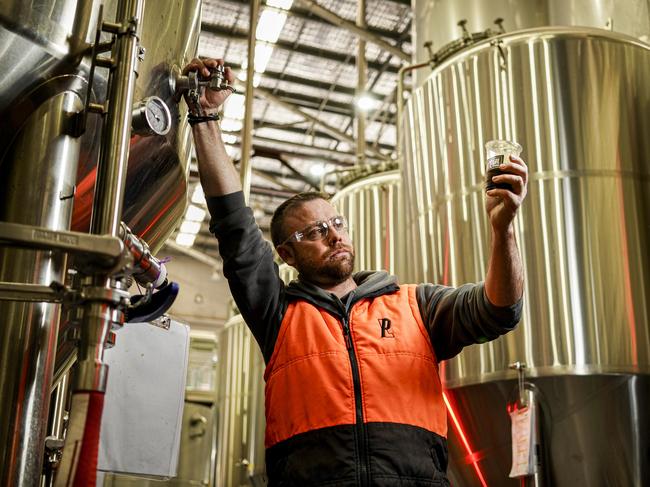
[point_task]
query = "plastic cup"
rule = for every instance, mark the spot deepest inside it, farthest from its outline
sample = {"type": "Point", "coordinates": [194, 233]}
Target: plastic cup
{"type": "Point", "coordinates": [498, 152]}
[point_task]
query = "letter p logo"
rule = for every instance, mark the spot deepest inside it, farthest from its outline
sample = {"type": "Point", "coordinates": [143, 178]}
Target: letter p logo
{"type": "Point", "coordinates": [384, 323]}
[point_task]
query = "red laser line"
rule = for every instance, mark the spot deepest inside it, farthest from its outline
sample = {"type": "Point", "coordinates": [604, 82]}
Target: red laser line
{"type": "Point", "coordinates": [459, 429]}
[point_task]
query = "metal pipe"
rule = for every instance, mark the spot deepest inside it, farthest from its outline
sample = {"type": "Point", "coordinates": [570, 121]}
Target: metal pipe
{"type": "Point", "coordinates": [362, 79]}
{"type": "Point", "coordinates": [56, 427]}
{"type": "Point", "coordinates": [147, 269]}
{"type": "Point", "coordinates": [330, 16]}
{"type": "Point", "coordinates": [247, 127]}
{"type": "Point", "coordinates": [35, 191]}
{"type": "Point", "coordinates": [116, 135]}
{"type": "Point", "coordinates": [400, 101]}
{"type": "Point", "coordinates": [99, 313]}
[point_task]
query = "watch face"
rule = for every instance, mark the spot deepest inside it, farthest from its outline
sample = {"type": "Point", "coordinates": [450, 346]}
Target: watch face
{"type": "Point", "coordinates": [158, 116]}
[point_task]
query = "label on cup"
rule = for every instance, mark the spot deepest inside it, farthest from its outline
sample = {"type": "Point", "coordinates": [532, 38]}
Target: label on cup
{"type": "Point", "coordinates": [493, 169]}
{"type": "Point", "coordinates": [494, 162]}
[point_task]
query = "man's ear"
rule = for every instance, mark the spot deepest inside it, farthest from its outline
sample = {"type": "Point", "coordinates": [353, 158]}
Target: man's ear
{"type": "Point", "coordinates": [286, 254]}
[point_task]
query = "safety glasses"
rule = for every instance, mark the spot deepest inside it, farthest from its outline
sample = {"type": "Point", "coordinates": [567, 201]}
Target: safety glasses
{"type": "Point", "coordinates": [319, 230]}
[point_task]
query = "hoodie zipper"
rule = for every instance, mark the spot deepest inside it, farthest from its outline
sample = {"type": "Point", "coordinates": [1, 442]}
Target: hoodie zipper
{"type": "Point", "coordinates": [360, 427]}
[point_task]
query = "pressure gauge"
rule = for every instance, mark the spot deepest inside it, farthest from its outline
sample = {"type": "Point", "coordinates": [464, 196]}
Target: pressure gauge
{"type": "Point", "coordinates": [151, 117]}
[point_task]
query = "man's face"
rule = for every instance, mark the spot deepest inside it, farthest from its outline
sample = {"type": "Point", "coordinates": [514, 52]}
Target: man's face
{"type": "Point", "coordinates": [328, 261]}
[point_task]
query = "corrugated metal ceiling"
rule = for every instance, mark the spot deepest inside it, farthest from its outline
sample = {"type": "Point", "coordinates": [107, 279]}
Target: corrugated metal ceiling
{"type": "Point", "coordinates": [313, 68]}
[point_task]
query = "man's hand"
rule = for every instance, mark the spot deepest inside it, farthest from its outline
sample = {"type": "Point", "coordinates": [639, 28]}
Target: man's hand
{"type": "Point", "coordinates": [210, 100]}
{"type": "Point", "coordinates": [502, 204]}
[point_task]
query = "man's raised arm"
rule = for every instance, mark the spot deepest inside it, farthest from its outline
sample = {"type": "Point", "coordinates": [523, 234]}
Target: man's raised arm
{"type": "Point", "coordinates": [216, 171]}
{"type": "Point", "coordinates": [504, 282]}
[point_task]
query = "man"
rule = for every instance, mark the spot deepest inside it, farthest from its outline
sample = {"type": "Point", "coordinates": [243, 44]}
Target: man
{"type": "Point", "coordinates": [353, 396]}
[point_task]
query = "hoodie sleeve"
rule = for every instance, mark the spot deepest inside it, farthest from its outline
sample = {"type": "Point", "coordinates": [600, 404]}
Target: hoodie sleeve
{"type": "Point", "coordinates": [457, 317]}
{"type": "Point", "coordinates": [249, 267]}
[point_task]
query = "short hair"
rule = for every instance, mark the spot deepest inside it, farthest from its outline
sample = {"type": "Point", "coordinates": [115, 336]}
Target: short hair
{"type": "Point", "coordinates": [280, 213]}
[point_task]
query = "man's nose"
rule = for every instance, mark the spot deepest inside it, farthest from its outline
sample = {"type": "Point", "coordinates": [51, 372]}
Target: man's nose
{"type": "Point", "coordinates": [333, 236]}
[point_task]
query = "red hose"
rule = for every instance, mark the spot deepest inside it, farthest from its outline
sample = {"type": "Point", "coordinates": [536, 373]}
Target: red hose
{"type": "Point", "coordinates": [78, 467]}
{"type": "Point", "coordinates": [86, 474]}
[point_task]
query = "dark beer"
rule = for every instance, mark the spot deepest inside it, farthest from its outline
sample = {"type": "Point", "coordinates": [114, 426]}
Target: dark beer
{"type": "Point", "coordinates": [497, 153]}
{"type": "Point", "coordinates": [493, 164]}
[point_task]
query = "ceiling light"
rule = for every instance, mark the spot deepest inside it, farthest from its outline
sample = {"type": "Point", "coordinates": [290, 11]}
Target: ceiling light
{"type": "Point", "coordinates": [185, 239]}
{"type": "Point", "coordinates": [366, 102]}
{"type": "Point", "coordinates": [234, 106]}
{"type": "Point", "coordinates": [197, 196]}
{"type": "Point", "coordinates": [228, 139]}
{"type": "Point", "coordinates": [283, 4]}
{"type": "Point", "coordinates": [231, 125]}
{"type": "Point", "coordinates": [263, 53]}
{"type": "Point", "coordinates": [233, 151]}
{"type": "Point", "coordinates": [257, 77]}
{"type": "Point", "coordinates": [344, 147]}
{"type": "Point", "coordinates": [270, 25]}
{"type": "Point", "coordinates": [317, 169]}
{"type": "Point", "coordinates": [190, 227]}
{"type": "Point", "coordinates": [194, 213]}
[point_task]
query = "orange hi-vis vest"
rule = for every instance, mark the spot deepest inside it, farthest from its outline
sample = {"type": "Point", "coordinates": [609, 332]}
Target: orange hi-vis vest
{"type": "Point", "coordinates": [386, 358]}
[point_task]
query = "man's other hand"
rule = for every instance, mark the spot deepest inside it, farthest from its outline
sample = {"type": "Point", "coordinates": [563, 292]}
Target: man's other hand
{"type": "Point", "coordinates": [502, 204]}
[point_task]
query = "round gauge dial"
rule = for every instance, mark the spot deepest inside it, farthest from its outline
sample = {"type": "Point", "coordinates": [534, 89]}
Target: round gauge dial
{"type": "Point", "coordinates": [151, 117]}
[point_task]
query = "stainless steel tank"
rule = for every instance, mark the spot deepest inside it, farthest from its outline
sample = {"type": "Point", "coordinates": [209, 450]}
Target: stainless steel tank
{"type": "Point", "coordinates": [48, 178]}
{"type": "Point", "coordinates": [577, 100]}
{"type": "Point", "coordinates": [156, 187]}
{"type": "Point", "coordinates": [240, 408]}
{"type": "Point", "coordinates": [437, 21]}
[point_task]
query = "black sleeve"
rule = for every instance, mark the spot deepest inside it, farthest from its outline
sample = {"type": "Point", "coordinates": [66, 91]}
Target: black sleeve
{"type": "Point", "coordinates": [249, 267]}
{"type": "Point", "coordinates": [457, 317]}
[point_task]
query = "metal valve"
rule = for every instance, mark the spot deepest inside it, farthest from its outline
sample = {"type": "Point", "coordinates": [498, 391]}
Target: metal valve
{"type": "Point", "coordinates": [217, 79]}
{"type": "Point", "coordinates": [193, 86]}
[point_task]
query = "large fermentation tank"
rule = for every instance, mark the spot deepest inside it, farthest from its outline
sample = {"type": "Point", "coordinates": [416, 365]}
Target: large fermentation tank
{"type": "Point", "coordinates": [240, 408]}
{"type": "Point", "coordinates": [48, 167]}
{"type": "Point", "coordinates": [577, 100]}
{"type": "Point", "coordinates": [437, 21]}
{"type": "Point", "coordinates": [45, 53]}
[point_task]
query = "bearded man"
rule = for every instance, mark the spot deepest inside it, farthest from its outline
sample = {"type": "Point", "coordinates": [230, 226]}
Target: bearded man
{"type": "Point", "coordinates": [353, 396]}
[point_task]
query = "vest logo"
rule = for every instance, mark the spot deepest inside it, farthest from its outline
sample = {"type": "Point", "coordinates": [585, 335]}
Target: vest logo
{"type": "Point", "coordinates": [386, 332]}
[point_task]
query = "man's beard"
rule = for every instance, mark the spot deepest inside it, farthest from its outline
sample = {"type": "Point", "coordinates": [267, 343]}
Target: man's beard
{"type": "Point", "coordinates": [334, 271]}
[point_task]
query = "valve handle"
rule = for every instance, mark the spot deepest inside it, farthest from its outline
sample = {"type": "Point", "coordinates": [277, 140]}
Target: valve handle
{"type": "Point", "coordinates": [159, 303]}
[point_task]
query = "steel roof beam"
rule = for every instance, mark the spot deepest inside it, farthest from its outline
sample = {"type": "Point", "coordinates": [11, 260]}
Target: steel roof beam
{"type": "Point", "coordinates": [355, 29]}
{"type": "Point", "coordinates": [307, 101]}
{"type": "Point", "coordinates": [320, 85]}
{"type": "Point", "coordinates": [307, 14]}
{"type": "Point", "coordinates": [278, 155]}
{"type": "Point", "coordinates": [314, 103]}
{"type": "Point", "coordinates": [317, 133]}
{"type": "Point", "coordinates": [340, 57]}
{"type": "Point", "coordinates": [323, 153]}
{"type": "Point", "coordinates": [324, 126]}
